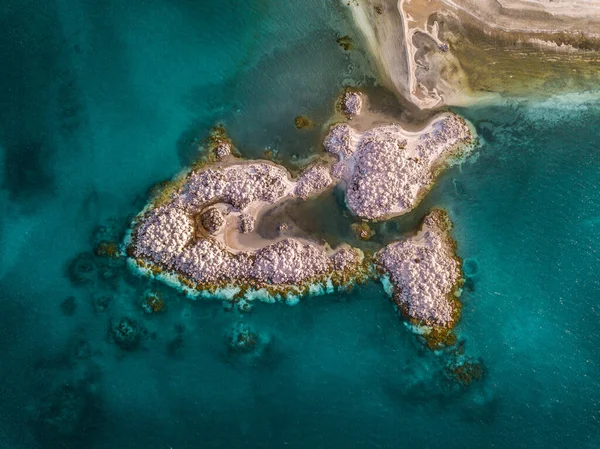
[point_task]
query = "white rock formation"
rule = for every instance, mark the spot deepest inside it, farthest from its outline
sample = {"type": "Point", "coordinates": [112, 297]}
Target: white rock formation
{"type": "Point", "coordinates": [351, 103]}
{"type": "Point", "coordinates": [387, 169]}
{"type": "Point", "coordinates": [314, 180]}
{"type": "Point", "coordinates": [425, 272]}
{"type": "Point", "coordinates": [237, 185]}
{"type": "Point", "coordinates": [246, 223]}
{"type": "Point", "coordinates": [165, 236]}
{"type": "Point", "coordinates": [222, 150]}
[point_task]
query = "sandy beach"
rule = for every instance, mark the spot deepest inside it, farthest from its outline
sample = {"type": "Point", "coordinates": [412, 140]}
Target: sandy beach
{"type": "Point", "coordinates": [426, 50]}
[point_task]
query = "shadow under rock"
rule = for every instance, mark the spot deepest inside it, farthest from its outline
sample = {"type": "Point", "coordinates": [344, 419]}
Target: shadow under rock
{"type": "Point", "coordinates": [27, 172]}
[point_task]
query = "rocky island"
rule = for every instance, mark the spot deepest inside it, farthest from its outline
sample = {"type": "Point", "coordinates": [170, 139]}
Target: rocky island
{"type": "Point", "coordinates": [204, 234]}
{"type": "Point", "coordinates": [425, 274]}
{"type": "Point", "coordinates": [386, 170]}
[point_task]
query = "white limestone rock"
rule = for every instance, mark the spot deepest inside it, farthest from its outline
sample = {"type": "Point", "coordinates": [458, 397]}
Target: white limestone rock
{"type": "Point", "coordinates": [238, 185]}
{"type": "Point", "coordinates": [314, 180]}
{"type": "Point", "coordinates": [425, 272]}
{"type": "Point", "coordinates": [351, 103]}
{"type": "Point", "coordinates": [212, 220]}
{"type": "Point", "coordinates": [165, 236]}
{"type": "Point", "coordinates": [386, 170]}
{"type": "Point", "coordinates": [222, 150]}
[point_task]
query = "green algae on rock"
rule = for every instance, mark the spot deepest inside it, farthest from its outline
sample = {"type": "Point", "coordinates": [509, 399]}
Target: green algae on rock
{"type": "Point", "coordinates": [303, 122]}
{"type": "Point", "coordinates": [345, 42]}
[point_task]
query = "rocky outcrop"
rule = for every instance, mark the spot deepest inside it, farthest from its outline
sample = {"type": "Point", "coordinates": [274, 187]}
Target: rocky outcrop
{"type": "Point", "coordinates": [351, 103]}
{"type": "Point", "coordinates": [212, 220]}
{"type": "Point", "coordinates": [164, 237]}
{"type": "Point", "coordinates": [425, 272]}
{"type": "Point", "coordinates": [386, 170]}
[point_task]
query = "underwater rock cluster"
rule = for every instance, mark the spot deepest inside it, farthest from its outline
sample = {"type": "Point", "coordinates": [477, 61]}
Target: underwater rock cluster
{"type": "Point", "coordinates": [242, 338]}
{"type": "Point", "coordinates": [126, 333]}
{"type": "Point", "coordinates": [68, 411]}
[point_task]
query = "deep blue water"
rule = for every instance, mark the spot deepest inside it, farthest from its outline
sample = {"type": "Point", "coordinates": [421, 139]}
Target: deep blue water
{"type": "Point", "coordinates": [100, 100]}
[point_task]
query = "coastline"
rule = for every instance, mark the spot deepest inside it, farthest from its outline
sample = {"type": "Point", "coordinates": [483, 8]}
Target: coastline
{"type": "Point", "coordinates": [540, 45]}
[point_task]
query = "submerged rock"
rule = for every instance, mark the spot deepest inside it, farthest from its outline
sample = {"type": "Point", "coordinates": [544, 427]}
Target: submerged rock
{"type": "Point", "coordinates": [460, 372]}
{"type": "Point", "coordinates": [153, 303]}
{"type": "Point", "coordinates": [69, 306]}
{"type": "Point", "coordinates": [108, 249]}
{"type": "Point", "coordinates": [303, 122]}
{"type": "Point", "coordinates": [246, 346]}
{"type": "Point", "coordinates": [242, 339]}
{"type": "Point", "coordinates": [176, 343]}
{"type": "Point", "coordinates": [101, 302]}
{"type": "Point", "coordinates": [363, 231]}
{"type": "Point", "coordinates": [469, 284]}
{"type": "Point", "coordinates": [470, 267]}
{"type": "Point", "coordinates": [244, 306]}
{"type": "Point", "coordinates": [83, 269]}
{"type": "Point", "coordinates": [126, 333]}
{"type": "Point", "coordinates": [69, 411]}
{"type": "Point", "coordinates": [345, 42]}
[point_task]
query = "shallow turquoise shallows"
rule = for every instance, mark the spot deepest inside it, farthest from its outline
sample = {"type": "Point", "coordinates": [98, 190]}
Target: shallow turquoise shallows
{"type": "Point", "coordinates": [101, 100]}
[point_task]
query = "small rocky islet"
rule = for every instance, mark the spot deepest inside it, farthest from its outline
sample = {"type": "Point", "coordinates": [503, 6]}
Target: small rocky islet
{"type": "Point", "coordinates": [201, 235]}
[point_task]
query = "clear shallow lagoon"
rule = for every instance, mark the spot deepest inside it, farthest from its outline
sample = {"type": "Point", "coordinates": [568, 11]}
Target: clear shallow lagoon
{"type": "Point", "coordinates": [100, 101]}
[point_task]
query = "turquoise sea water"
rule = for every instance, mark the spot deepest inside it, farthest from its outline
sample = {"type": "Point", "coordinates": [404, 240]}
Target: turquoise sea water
{"type": "Point", "coordinates": [100, 100]}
